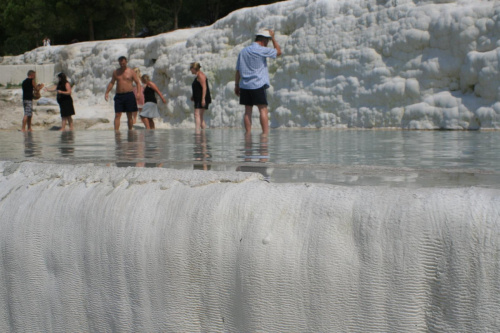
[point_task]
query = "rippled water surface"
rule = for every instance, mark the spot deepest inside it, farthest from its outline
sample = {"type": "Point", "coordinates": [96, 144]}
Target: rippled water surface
{"type": "Point", "coordinates": [345, 157]}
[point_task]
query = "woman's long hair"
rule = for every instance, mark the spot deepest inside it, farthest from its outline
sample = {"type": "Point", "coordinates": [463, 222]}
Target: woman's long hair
{"type": "Point", "coordinates": [62, 80]}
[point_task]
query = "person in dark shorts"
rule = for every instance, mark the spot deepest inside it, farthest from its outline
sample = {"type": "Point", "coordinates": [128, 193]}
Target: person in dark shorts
{"type": "Point", "coordinates": [201, 95]}
{"type": "Point", "coordinates": [252, 77]}
{"type": "Point", "coordinates": [125, 102]}
{"type": "Point", "coordinates": [29, 85]}
{"type": "Point", "coordinates": [65, 101]}
{"type": "Point", "coordinates": [125, 98]}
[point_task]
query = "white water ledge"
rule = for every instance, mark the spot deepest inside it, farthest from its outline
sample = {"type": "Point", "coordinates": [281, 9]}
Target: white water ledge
{"type": "Point", "coordinates": [87, 248]}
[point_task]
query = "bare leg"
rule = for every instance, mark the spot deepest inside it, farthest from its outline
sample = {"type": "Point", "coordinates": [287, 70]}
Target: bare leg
{"type": "Point", "coordinates": [29, 124]}
{"type": "Point", "coordinates": [63, 123]}
{"type": "Point", "coordinates": [145, 121]}
{"type": "Point", "coordinates": [264, 119]}
{"type": "Point", "coordinates": [151, 123]}
{"type": "Point", "coordinates": [134, 115]}
{"type": "Point", "coordinates": [247, 118]}
{"type": "Point", "coordinates": [198, 118]}
{"type": "Point", "coordinates": [130, 120]}
{"type": "Point", "coordinates": [118, 115]}
{"type": "Point", "coordinates": [25, 123]}
{"type": "Point", "coordinates": [70, 122]}
{"type": "Point", "coordinates": [203, 125]}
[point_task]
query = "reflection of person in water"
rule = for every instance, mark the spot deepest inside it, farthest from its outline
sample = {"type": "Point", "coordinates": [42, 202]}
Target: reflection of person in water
{"type": "Point", "coordinates": [66, 146]}
{"type": "Point", "coordinates": [31, 149]}
{"type": "Point", "coordinates": [256, 153]}
{"type": "Point", "coordinates": [126, 151]}
{"type": "Point", "coordinates": [139, 148]}
{"type": "Point", "coordinates": [202, 155]}
{"type": "Point", "coordinates": [149, 152]}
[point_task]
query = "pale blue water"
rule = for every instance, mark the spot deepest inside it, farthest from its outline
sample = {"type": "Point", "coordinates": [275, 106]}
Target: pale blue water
{"type": "Point", "coordinates": [344, 157]}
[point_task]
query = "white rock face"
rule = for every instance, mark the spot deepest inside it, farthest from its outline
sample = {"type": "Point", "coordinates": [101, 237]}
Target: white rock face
{"type": "Point", "coordinates": [356, 63]}
{"type": "Point", "coordinates": [155, 250]}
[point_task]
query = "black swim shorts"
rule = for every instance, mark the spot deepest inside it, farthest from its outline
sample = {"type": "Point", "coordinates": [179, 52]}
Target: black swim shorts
{"type": "Point", "coordinates": [125, 102]}
{"type": "Point", "coordinates": [253, 97]}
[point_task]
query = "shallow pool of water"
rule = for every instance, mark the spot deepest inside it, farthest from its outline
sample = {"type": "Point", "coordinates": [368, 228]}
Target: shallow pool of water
{"type": "Point", "coordinates": [344, 157]}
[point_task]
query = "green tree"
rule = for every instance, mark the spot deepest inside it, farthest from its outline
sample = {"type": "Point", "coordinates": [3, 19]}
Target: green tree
{"type": "Point", "coordinates": [94, 11]}
{"type": "Point", "coordinates": [24, 23]}
{"type": "Point", "coordinates": [130, 10]}
{"type": "Point", "coordinates": [208, 11]}
{"type": "Point", "coordinates": [156, 15]}
{"type": "Point", "coordinates": [176, 9]}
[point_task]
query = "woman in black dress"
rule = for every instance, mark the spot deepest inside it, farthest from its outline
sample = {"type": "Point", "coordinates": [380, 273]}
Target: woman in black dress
{"type": "Point", "coordinates": [201, 95]}
{"type": "Point", "coordinates": [65, 101]}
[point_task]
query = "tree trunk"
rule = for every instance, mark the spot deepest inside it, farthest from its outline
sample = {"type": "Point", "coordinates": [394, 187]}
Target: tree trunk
{"type": "Point", "coordinates": [177, 9]}
{"type": "Point", "coordinates": [132, 23]}
{"type": "Point", "coordinates": [213, 7]}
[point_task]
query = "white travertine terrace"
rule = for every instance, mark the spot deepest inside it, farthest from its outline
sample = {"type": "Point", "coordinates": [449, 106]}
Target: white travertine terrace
{"type": "Point", "coordinates": [370, 63]}
{"type": "Point", "coordinates": [86, 248]}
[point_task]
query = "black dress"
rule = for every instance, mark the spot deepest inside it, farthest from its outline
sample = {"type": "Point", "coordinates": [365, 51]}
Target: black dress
{"type": "Point", "coordinates": [198, 92]}
{"type": "Point", "coordinates": [65, 101]}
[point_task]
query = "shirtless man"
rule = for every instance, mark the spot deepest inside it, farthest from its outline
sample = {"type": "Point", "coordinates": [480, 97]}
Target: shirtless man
{"type": "Point", "coordinates": [124, 98]}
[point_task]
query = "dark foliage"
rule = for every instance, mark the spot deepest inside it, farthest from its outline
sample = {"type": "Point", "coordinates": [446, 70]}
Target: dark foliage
{"type": "Point", "coordinates": [25, 23]}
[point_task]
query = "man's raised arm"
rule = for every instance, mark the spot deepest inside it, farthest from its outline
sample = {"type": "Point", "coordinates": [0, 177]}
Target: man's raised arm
{"type": "Point", "coordinates": [275, 43]}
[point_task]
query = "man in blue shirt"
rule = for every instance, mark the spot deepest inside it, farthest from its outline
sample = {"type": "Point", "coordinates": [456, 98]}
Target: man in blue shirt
{"type": "Point", "coordinates": [252, 77]}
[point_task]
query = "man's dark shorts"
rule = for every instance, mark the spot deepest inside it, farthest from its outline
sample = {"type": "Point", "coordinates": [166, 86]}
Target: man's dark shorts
{"type": "Point", "coordinates": [253, 97]}
{"type": "Point", "coordinates": [125, 102]}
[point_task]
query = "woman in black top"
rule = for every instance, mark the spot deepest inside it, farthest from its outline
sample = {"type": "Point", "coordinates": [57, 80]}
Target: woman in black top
{"type": "Point", "coordinates": [65, 101]}
{"type": "Point", "coordinates": [201, 95]}
{"type": "Point", "coordinates": [150, 108]}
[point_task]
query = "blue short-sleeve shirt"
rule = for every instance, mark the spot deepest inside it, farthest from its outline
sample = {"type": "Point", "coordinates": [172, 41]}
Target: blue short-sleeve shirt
{"type": "Point", "coordinates": [252, 65]}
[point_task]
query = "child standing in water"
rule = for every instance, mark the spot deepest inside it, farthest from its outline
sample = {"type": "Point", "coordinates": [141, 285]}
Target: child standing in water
{"type": "Point", "coordinates": [150, 108]}
{"type": "Point", "coordinates": [139, 98]}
